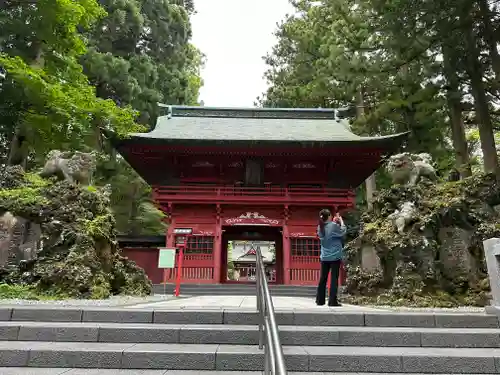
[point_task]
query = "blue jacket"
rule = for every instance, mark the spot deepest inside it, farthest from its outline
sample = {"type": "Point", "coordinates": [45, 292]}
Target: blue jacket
{"type": "Point", "coordinates": [331, 241]}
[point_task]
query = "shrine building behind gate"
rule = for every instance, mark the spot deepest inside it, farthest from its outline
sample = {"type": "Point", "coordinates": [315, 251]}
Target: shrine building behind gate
{"type": "Point", "coordinates": [256, 174]}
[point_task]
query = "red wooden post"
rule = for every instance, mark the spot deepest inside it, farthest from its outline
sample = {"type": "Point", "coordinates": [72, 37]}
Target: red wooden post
{"type": "Point", "coordinates": [179, 269]}
{"type": "Point", "coordinates": [217, 276]}
{"type": "Point", "coordinates": [170, 243]}
{"type": "Point", "coordinates": [286, 255]}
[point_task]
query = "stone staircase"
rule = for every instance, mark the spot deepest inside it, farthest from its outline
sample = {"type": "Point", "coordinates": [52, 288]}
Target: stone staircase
{"type": "Point", "coordinates": [207, 341]}
{"type": "Point", "coordinates": [236, 290]}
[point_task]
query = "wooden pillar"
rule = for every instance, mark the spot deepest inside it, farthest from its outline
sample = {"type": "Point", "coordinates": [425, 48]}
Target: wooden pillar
{"type": "Point", "coordinates": [286, 248]}
{"type": "Point", "coordinates": [217, 247]}
{"type": "Point", "coordinates": [170, 242]}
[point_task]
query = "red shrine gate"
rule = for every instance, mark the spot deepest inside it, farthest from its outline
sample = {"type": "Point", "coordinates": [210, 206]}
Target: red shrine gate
{"type": "Point", "coordinates": [205, 260]}
{"type": "Point", "coordinates": [252, 173]}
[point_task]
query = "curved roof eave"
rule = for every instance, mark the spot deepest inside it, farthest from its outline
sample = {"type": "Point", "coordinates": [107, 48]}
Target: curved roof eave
{"type": "Point", "coordinates": [138, 139]}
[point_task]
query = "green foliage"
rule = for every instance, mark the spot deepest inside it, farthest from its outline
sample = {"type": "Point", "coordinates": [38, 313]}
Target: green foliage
{"type": "Point", "coordinates": [51, 25]}
{"type": "Point", "coordinates": [22, 196]}
{"type": "Point", "coordinates": [419, 267]}
{"type": "Point", "coordinates": [230, 263]}
{"type": "Point", "coordinates": [28, 292]}
{"type": "Point", "coordinates": [55, 104]}
{"type": "Point", "coordinates": [100, 227]}
{"type": "Point", "coordinates": [79, 257]}
{"type": "Point", "coordinates": [330, 53]}
{"type": "Point", "coordinates": [140, 55]}
{"type": "Point", "coordinates": [22, 193]}
{"type": "Point", "coordinates": [72, 68]}
{"type": "Point", "coordinates": [131, 202]}
{"type": "Point", "coordinates": [16, 291]}
{"type": "Point", "coordinates": [406, 66]}
{"type": "Point", "coordinates": [45, 95]}
{"type": "Point", "coordinates": [35, 180]}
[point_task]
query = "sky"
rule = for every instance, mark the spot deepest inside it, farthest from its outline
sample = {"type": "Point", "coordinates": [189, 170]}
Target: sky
{"type": "Point", "coordinates": [234, 35]}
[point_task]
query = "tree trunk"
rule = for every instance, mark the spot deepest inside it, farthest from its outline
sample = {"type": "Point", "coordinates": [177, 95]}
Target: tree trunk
{"type": "Point", "coordinates": [370, 182]}
{"type": "Point", "coordinates": [475, 72]}
{"type": "Point", "coordinates": [489, 37]}
{"type": "Point", "coordinates": [417, 131]}
{"type": "Point", "coordinates": [454, 99]}
{"type": "Point", "coordinates": [462, 162]}
{"type": "Point", "coordinates": [134, 210]}
{"type": "Point", "coordinates": [98, 138]}
{"type": "Point", "coordinates": [19, 147]}
{"type": "Point", "coordinates": [371, 188]}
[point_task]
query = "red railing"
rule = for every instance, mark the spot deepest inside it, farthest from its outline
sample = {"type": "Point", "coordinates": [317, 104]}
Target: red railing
{"type": "Point", "coordinates": [207, 194]}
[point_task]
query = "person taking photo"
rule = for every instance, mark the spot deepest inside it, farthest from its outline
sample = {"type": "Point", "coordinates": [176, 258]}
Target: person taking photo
{"type": "Point", "coordinates": [331, 231]}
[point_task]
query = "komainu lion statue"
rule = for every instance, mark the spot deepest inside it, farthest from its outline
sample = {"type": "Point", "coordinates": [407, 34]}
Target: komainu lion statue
{"type": "Point", "coordinates": [73, 167]}
{"type": "Point", "coordinates": [402, 217]}
{"type": "Point", "coordinates": [409, 168]}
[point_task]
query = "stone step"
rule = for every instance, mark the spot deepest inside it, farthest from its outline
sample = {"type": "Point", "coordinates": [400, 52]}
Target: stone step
{"type": "Point", "coordinates": [248, 358]}
{"type": "Point", "coordinates": [251, 286]}
{"type": "Point", "coordinates": [313, 317]}
{"type": "Point", "coordinates": [248, 334]}
{"type": "Point", "coordinates": [81, 371]}
{"type": "Point", "coordinates": [236, 289]}
{"type": "Point", "coordinates": [231, 292]}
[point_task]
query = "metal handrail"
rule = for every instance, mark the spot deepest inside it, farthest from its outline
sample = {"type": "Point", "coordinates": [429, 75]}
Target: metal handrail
{"type": "Point", "coordinates": [274, 359]}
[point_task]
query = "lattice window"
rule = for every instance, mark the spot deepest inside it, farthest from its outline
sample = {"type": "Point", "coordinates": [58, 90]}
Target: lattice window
{"type": "Point", "coordinates": [200, 245]}
{"type": "Point", "coordinates": [305, 247]}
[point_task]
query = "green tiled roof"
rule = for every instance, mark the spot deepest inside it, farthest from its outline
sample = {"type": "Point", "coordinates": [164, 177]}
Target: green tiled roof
{"type": "Point", "coordinates": [276, 131]}
{"type": "Point", "coordinates": [252, 124]}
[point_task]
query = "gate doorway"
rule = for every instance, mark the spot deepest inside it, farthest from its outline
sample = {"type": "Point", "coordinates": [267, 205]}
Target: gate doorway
{"type": "Point", "coordinates": [239, 245]}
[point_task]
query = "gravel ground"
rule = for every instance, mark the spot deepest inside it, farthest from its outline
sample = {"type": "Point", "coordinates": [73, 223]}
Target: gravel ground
{"type": "Point", "coordinates": [463, 309]}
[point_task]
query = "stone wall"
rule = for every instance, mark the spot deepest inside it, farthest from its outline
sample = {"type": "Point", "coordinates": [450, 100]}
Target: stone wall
{"type": "Point", "coordinates": [437, 258]}
{"type": "Point", "coordinates": [19, 239]}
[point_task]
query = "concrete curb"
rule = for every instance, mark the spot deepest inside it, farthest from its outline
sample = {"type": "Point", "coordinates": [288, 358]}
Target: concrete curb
{"type": "Point", "coordinates": [248, 335]}
{"type": "Point", "coordinates": [246, 358]}
{"type": "Point", "coordinates": [249, 317]}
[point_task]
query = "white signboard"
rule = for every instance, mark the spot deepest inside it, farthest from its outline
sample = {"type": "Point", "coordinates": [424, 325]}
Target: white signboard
{"type": "Point", "coordinates": [166, 258]}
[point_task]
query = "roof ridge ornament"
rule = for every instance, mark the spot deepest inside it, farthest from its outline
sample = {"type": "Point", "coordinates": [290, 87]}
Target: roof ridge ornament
{"type": "Point", "coordinates": [165, 110]}
{"type": "Point", "coordinates": [331, 114]}
{"type": "Point", "coordinates": [343, 112]}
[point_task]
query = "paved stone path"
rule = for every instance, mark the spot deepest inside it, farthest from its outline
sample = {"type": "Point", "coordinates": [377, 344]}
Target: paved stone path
{"type": "Point", "coordinates": [159, 301]}
{"type": "Point", "coordinates": [68, 371]}
{"type": "Point", "coordinates": [245, 302]}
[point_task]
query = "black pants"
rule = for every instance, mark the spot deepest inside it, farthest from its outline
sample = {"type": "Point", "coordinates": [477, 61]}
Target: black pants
{"type": "Point", "coordinates": [327, 267]}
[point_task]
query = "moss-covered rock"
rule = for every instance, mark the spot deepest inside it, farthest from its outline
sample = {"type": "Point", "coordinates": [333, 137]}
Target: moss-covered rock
{"type": "Point", "coordinates": [438, 260]}
{"type": "Point", "coordinates": [78, 254]}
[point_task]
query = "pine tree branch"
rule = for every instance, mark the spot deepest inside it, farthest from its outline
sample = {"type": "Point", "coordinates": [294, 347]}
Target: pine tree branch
{"type": "Point", "coordinates": [6, 4]}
